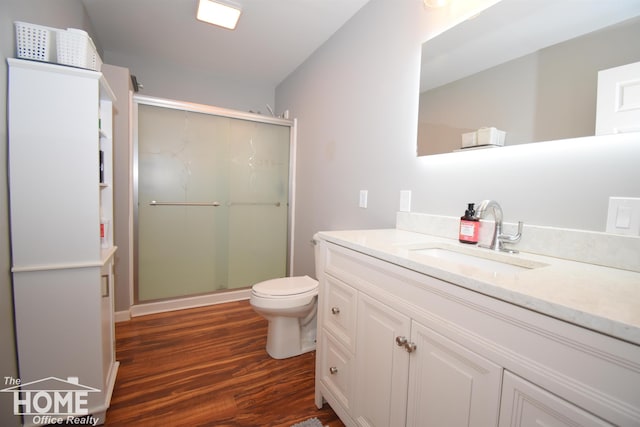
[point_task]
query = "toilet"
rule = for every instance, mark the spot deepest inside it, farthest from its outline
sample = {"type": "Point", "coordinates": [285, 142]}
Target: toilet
{"type": "Point", "coordinates": [290, 306]}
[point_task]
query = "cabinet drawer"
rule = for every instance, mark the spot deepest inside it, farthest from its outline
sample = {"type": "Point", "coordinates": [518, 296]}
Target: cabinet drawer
{"type": "Point", "coordinates": [339, 305]}
{"type": "Point", "coordinates": [336, 370]}
{"type": "Point", "coordinates": [524, 404]}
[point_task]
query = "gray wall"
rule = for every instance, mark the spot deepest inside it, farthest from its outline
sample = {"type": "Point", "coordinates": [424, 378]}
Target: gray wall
{"type": "Point", "coordinates": [177, 81]}
{"type": "Point", "coordinates": [60, 14]}
{"type": "Point", "coordinates": [120, 82]}
{"type": "Point", "coordinates": [356, 100]}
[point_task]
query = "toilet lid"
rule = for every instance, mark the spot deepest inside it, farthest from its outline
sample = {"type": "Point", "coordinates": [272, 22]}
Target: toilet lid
{"type": "Point", "coordinates": [286, 286]}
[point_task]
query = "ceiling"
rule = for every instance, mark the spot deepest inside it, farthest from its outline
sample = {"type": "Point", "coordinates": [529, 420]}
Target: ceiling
{"type": "Point", "coordinates": [272, 39]}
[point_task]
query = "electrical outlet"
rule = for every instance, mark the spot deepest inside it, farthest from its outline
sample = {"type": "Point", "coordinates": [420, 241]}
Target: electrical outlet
{"type": "Point", "coordinates": [363, 198]}
{"type": "Point", "coordinates": [405, 201]}
{"type": "Point", "coordinates": [624, 216]}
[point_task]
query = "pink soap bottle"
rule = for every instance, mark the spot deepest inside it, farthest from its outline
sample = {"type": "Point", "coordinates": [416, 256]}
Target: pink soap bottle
{"type": "Point", "coordinates": [469, 226]}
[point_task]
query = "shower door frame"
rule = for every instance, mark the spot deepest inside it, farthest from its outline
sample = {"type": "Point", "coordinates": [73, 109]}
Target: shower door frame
{"type": "Point", "coordinates": [220, 112]}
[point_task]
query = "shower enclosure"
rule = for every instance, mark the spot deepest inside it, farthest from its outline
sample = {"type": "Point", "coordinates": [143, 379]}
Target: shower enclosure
{"type": "Point", "coordinates": [212, 199]}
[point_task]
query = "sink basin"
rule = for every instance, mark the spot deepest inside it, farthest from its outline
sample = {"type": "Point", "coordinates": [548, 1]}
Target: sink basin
{"type": "Point", "coordinates": [492, 262]}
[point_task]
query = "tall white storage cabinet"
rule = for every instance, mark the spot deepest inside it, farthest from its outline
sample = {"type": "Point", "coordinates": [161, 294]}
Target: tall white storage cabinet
{"type": "Point", "coordinates": [60, 126]}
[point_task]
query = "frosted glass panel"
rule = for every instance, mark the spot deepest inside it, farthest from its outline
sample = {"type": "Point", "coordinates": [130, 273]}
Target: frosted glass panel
{"type": "Point", "coordinates": [258, 194]}
{"type": "Point", "coordinates": [195, 158]}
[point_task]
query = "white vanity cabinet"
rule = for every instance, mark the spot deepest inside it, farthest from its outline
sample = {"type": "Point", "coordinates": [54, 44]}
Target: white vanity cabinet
{"type": "Point", "coordinates": [401, 348]}
{"type": "Point", "coordinates": [60, 179]}
{"type": "Point", "coordinates": [385, 382]}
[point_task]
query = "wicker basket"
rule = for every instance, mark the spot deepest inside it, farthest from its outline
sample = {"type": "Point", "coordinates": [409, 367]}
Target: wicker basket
{"type": "Point", "coordinates": [75, 47]}
{"type": "Point", "coordinates": [35, 42]}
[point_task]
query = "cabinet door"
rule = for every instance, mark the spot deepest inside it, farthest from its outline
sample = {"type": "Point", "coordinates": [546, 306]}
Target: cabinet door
{"type": "Point", "coordinates": [450, 385]}
{"type": "Point", "coordinates": [382, 367]}
{"type": "Point", "coordinates": [108, 327]}
{"type": "Point", "coordinates": [527, 405]}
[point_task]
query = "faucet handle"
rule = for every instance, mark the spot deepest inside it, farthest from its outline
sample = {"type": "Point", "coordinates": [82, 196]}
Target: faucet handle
{"type": "Point", "coordinates": [510, 238]}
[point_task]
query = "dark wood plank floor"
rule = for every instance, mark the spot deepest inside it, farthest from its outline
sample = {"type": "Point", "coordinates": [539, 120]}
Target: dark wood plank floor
{"type": "Point", "coordinates": [208, 367]}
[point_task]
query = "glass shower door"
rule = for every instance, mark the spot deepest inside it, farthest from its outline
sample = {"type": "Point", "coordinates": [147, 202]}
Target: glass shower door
{"type": "Point", "coordinates": [212, 197]}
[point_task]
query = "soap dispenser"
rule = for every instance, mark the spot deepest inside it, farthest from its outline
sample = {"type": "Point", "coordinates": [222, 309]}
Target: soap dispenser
{"type": "Point", "coordinates": [469, 226]}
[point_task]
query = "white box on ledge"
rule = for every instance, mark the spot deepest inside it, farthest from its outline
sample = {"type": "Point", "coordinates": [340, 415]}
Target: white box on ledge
{"type": "Point", "coordinates": [490, 136]}
{"type": "Point", "coordinates": [469, 139]}
{"type": "Point", "coordinates": [482, 137]}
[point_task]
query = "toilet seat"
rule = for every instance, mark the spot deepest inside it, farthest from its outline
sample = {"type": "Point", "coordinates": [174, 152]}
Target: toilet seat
{"type": "Point", "coordinates": [286, 286]}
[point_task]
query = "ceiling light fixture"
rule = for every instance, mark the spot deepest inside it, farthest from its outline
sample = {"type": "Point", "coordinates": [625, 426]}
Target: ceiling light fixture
{"type": "Point", "coordinates": [435, 3]}
{"type": "Point", "coordinates": [224, 15]}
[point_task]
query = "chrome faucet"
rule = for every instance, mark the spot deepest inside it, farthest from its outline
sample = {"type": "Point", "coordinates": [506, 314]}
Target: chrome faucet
{"type": "Point", "coordinates": [498, 237]}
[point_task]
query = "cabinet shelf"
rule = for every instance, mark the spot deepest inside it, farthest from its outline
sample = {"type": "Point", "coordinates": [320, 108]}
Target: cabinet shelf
{"type": "Point", "coordinates": [106, 254]}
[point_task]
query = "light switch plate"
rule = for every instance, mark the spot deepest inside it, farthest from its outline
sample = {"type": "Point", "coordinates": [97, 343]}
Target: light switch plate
{"type": "Point", "coordinates": [405, 201]}
{"type": "Point", "coordinates": [624, 216]}
{"type": "Point", "coordinates": [363, 198]}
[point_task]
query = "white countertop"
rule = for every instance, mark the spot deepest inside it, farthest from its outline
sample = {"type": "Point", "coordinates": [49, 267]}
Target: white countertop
{"type": "Point", "coordinates": [603, 299]}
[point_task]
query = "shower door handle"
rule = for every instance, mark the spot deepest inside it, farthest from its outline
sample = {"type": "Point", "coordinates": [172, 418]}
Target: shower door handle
{"type": "Point", "coordinates": [154, 203]}
{"type": "Point", "coordinates": [276, 204]}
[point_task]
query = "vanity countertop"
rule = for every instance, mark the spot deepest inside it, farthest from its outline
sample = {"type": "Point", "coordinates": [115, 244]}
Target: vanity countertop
{"type": "Point", "coordinates": [603, 299]}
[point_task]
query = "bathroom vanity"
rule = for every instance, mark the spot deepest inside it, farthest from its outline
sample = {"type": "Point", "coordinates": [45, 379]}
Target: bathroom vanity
{"type": "Point", "coordinates": [409, 334]}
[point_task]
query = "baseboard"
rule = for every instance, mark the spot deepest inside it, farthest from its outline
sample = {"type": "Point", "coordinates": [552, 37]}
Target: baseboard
{"type": "Point", "coordinates": [122, 316]}
{"type": "Point", "coordinates": [189, 302]}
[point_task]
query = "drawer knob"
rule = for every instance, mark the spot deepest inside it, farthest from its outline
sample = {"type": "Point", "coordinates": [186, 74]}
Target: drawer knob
{"type": "Point", "coordinates": [333, 370]}
{"type": "Point", "coordinates": [401, 341]}
{"type": "Point", "coordinates": [335, 310]}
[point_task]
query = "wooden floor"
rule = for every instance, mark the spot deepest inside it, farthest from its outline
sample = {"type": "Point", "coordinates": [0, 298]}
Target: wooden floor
{"type": "Point", "coordinates": [208, 367]}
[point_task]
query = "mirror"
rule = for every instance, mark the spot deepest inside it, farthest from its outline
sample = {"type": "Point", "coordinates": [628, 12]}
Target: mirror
{"type": "Point", "coordinates": [528, 68]}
